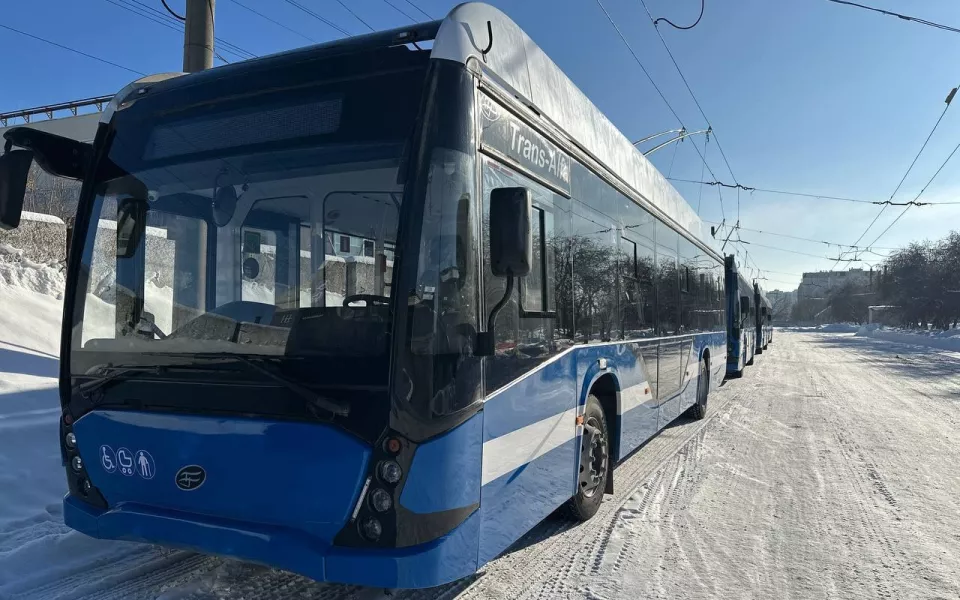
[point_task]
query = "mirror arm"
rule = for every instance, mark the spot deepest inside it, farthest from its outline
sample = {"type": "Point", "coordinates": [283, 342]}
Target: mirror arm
{"type": "Point", "coordinates": [486, 344]}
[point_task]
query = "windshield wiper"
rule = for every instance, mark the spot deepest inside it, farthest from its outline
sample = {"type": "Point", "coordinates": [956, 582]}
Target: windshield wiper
{"type": "Point", "coordinates": [112, 374]}
{"type": "Point", "coordinates": [313, 400]}
{"type": "Point", "coordinates": [109, 374]}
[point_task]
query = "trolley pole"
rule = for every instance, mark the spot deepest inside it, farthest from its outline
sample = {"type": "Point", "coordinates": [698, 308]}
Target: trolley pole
{"type": "Point", "coordinates": [198, 36]}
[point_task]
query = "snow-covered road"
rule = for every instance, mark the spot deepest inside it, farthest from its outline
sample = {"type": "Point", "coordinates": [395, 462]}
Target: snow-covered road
{"type": "Point", "coordinates": [830, 470]}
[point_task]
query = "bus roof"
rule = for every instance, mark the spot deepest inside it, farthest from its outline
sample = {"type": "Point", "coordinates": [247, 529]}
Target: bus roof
{"type": "Point", "coordinates": [520, 63]}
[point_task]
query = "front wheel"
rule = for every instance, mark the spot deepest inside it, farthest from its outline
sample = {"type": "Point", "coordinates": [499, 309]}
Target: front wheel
{"type": "Point", "coordinates": [594, 468]}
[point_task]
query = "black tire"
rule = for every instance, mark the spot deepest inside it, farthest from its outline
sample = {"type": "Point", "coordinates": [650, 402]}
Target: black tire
{"type": "Point", "coordinates": [594, 464]}
{"type": "Point", "coordinates": [699, 408]}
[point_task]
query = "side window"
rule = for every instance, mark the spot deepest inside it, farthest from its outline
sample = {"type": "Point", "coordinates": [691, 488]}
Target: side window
{"type": "Point", "coordinates": [539, 284]}
{"type": "Point", "coordinates": [524, 339]}
{"type": "Point", "coordinates": [594, 274]}
{"type": "Point", "coordinates": [638, 272]}
{"type": "Point", "coordinates": [691, 305]}
{"type": "Point", "coordinates": [668, 281]}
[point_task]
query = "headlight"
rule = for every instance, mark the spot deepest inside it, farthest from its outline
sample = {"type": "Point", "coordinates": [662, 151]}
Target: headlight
{"type": "Point", "coordinates": [70, 441]}
{"type": "Point", "coordinates": [390, 472]}
{"type": "Point", "coordinates": [380, 500]}
{"type": "Point", "coordinates": [371, 529]}
{"type": "Point", "coordinates": [77, 464]}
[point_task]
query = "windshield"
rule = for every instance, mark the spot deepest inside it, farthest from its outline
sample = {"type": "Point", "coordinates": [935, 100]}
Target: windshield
{"type": "Point", "coordinates": [267, 228]}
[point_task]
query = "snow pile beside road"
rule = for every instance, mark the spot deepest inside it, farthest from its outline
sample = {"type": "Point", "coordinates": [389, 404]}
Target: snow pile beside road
{"type": "Point", "coordinates": [36, 548]}
{"type": "Point", "coordinates": [838, 328]}
{"type": "Point", "coordinates": [943, 340]}
{"type": "Point", "coordinates": [17, 270]}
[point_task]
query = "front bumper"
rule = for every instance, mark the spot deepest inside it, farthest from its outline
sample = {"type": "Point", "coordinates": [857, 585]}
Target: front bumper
{"type": "Point", "coordinates": [443, 560]}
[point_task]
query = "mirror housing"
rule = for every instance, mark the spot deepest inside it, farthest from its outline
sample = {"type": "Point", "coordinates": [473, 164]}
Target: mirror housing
{"type": "Point", "coordinates": [14, 168]}
{"type": "Point", "coordinates": [744, 306]}
{"type": "Point", "coordinates": [55, 154]}
{"type": "Point", "coordinates": [131, 224]}
{"type": "Point", "coordinates": [511, 238]}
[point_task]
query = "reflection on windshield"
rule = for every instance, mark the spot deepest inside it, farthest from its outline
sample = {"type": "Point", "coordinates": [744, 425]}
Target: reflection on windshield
{"type": "Point", "coordinates": [286, 261]}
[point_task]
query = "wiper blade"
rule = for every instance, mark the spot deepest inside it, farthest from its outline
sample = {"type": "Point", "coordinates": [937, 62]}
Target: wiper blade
{"type": "Point", "coordinates": [313, 400]}
{"type": "Point", "coordinates": [111, 374]}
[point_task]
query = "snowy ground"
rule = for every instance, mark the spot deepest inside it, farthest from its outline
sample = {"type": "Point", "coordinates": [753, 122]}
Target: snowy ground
{"type": "Point", "coordinates": [830, 470]}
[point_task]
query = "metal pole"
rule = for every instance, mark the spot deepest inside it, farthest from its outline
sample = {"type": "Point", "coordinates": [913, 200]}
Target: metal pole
{"type": "Point", "coordinates": [198, 36]}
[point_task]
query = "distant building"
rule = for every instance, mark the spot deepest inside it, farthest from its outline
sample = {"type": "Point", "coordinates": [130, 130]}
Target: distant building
{"type": "Point", "coordinates": [782, 302]}
{"type": "Point", "coordinates": [819, 284]}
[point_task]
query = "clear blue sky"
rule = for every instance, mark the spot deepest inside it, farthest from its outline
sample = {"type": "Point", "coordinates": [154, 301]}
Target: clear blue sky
{"type": "Point", "coordinates": [805, 96]}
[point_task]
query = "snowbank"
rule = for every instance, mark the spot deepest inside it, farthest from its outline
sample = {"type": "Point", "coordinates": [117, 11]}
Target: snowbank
{"type": "Point", "coordinates": [35, 546]}
{"type": "Point", "coordinates": [943, 340]}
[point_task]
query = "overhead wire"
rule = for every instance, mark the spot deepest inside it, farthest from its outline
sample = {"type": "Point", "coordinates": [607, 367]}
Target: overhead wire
{"type": "Point", "coordinates": [317, 16]}
{"type": "Point", "coordinates": [423, 12]}
{"type": "Point", "coordinates": [924, 189]}
{"type": "Point", "coordinates": [948, 101]}
{"type": "Point", "coordinates": [899, 16]}
{"type": "Point", "coordinates": [73, 50]}
{"type": "Point", "coordinates": [159, 17]}
{"type": "Point", "coordinates": [355, 15]}
{"type": "Point", "coordinates": [659, 92]}
{"type": "Point", "coordinates": [399, 10]}
{"type": "Point", "coordinates": [689, 89]}
{"type": "Point", "coordinates": [675, 26]}
{"type": "Point", "coordinates": [171, 11]}
{"type": "Point", "coordinates": [806, 195]}
{"type": "Point", "coordinates": [794, 237]}
{"type": "Point", "coordinates": [274, 21]}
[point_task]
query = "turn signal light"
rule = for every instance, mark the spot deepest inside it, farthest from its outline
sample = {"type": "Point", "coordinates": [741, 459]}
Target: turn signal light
{"type": "Point", "coordinates": [392, 445]}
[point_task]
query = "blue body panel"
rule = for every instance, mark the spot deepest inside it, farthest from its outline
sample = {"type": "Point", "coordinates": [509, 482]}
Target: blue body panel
{"type": "Point", "coordinates": [319, 469]}
{"type": "Point", "coordinates": [445, 473]}
{"type": "Point", "coordinates": [518, 458]}
{"type": "Point", "coordinates": [531, 441]}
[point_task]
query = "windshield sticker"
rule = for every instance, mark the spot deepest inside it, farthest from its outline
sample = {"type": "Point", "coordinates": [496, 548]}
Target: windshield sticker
{"type": "Point", "coordinates": [507, 135]}
{"type": "Point", "coordinates": [125, 460]}
{"type": "Point", "coordinates": [108, 459]}
{"type": "Point", "coordinates": [145, 465]}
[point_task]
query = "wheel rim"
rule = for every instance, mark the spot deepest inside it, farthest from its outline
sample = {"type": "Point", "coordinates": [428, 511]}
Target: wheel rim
{"type": "Point", "coordinates": [593, 457]}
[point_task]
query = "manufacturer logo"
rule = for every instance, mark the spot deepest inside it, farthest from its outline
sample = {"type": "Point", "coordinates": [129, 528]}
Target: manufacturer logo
{"type": "Point", "coordinates": [489, 109]}
{"type": "Point", "coordinates": [190, 477]}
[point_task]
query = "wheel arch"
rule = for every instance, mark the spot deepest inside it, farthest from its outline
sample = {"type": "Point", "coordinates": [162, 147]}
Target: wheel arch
{"type": "Point", "coordinates": [607, 389]}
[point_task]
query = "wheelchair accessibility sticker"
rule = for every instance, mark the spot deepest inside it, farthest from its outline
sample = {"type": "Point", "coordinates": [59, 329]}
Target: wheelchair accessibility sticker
{"type": "Point", "coordinates": [140, 462]}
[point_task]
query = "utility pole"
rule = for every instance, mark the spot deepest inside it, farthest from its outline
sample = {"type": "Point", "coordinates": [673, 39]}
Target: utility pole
{"type": "Point", "coordinates": [198, 36]}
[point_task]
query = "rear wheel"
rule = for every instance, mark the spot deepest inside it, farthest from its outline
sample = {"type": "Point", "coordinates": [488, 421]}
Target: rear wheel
{"type": "Point", "coordinates": [594, 464]}
{"type": "Point", "coordinates": [699, 409]}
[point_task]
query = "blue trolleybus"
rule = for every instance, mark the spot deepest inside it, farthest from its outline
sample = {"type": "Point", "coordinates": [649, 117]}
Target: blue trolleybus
{"type": "Point", "coordinates": [741, 318]}
{"type": "Point", "coordinates": [369, 310]}
{"type": "Point", "coordinates": [764, 318]}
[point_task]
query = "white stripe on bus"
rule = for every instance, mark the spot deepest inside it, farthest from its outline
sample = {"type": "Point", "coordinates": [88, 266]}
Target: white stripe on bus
{"type": "Point", "coordinates": [515, 449]}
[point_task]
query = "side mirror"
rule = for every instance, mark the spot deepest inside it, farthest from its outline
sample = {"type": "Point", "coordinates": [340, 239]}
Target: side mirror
{"type": "Point", "coordinates": [511, 239]}
{"type": "Point", "coordinates": [14, 168]}
{"type": "Point", "coordinates": [131, 223]}
{"type": "Point", "coordinates": [744, 306]}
